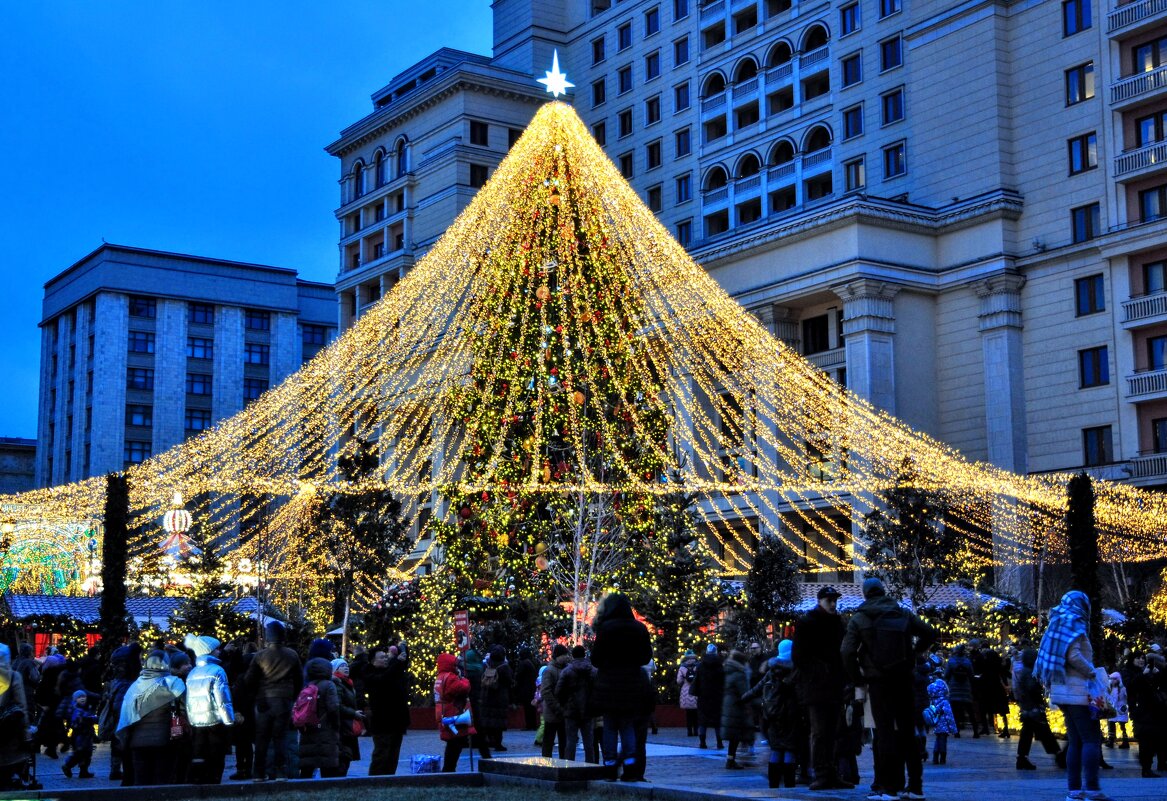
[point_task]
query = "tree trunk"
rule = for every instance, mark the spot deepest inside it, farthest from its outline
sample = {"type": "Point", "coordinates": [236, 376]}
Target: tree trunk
{"type": "Point", "coordinates": [113, 624]}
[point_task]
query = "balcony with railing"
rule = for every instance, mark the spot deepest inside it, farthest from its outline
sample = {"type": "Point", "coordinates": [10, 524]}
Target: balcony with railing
{"type": "Point", "coordinates": [1134, 163]}
{"type": "Point", "coordinates": [712, 10]}
{"type": "Point", "coordinates": [828, 359]}
{"type": "Point", "coordinates": [1149, 467]}
{"type": "Point", "coordinates": [1138, 87]}
{"type": "Point", "coordinates": [745, 88]}
{"type": "Point", "coordinates": [1133, 17]}
{"type": "Point", "coordinates": [1147, 384]}
{"type": "Point", "coordinates": [713, 102]}
{"type": "Point", "coordinates": [1145, 310]}
{"type": "Point", "coordinates": [748, 186]}
{"type": "Point", "coordinates": [779, 75]}
{"type": "Point", "coordinates": [807, 62]}
{"type": "Point", "coordinates": [712, 197]}
{"type": "Point", "coordinates": [780, 172]}
{"type": "Point", "coordinates": [816, 159]}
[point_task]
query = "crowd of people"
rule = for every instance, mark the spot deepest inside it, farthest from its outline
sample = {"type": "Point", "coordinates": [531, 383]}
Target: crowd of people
{"type": "Point", "coordinates": [172, 714]}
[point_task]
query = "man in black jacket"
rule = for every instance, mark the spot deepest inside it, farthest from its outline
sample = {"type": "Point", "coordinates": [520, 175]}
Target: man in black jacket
{"type": "Point", "coordinates": [820, 682]}
{"type": "Point", "coordinates": [387, 686]}
{"type": "Point", "coordinates": [274, 678]}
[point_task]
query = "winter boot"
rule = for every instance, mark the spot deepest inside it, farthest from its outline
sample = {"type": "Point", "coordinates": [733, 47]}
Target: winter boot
{"type": "Point", "coordinates": [1023, 763]}
{"type": "Point", "coordinates": [789, 772]}
{"type": "Point", "coordinates": [943, 757]}
{"type": "Point", "coordinates": [774, 774]}
{"type": "Point", "coordinates": [935, 757]}
{"type": "Point", "coordinates": [731, 764]}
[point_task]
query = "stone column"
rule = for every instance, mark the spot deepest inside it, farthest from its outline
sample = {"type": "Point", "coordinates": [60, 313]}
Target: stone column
{"type": "Point", "coordinates": [169, 375]}
{"type": "Point", "coordinates": [869, 330]}
{"type": "Point", "coordinates": [286, 346]}
{"type": "Point", "coordinates": [227, 385]}
{"type": "Point", "coordinates": [111, 319]}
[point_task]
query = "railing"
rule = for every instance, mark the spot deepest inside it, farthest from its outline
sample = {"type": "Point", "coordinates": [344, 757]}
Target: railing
{"type": "Point", "coordinates": [1138, 84]}
{"type": "Point", "coordinates": [780, 73]}
{"type": "Point", "coordinates": [1151, 466]}
{"type": "Point", "coordinates": [747, 88]}
{"type": "Point", "coordinates": [748, 183]}
{"type": "Point", "coordinates": [710, 103]}
{"type": "Point", "coordinates": [781, 171]}
{"type": "Point", "coordinates": [1139, 159]}
{"type": "Point", "coordinates": [1144, 307]}
{"type": "Point", "coordinates": [1146, 383]}
{"type": "Point", "coordinates": [713, 9]}
{"type": "Point", "coordinates": [814, 57]}
{"type": "Point", "coordinates": [1131, 13]}
{"type": "Point", "coordinates": [714, 195]}
{"type": "Point", "coordinates": [816, 158]}
{"type": "Point", "coordinates": [828, 359]}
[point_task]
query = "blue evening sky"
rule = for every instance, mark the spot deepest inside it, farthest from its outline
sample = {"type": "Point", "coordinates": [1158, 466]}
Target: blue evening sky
{"type": "Point", "coordinates": [195, 126]}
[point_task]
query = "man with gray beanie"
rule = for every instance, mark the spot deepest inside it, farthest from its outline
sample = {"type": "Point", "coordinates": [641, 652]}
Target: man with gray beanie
{"type": "Point", "coordinates": [209, 709]}
{"type": "Point", "coordinates": [275, 679]}
{"type": "Point", "coordinates": [879, 649]}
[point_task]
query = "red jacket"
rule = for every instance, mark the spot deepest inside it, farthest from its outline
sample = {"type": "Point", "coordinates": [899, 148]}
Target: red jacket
{"type": "Point", "coordinates": [451, 696]}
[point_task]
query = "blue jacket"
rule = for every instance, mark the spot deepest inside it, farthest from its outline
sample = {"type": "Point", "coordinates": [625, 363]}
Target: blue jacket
{"type": "Point", "coordinates": [208, 696]}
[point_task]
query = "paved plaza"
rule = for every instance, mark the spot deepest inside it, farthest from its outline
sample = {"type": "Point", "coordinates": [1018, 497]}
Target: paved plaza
{"type": "Point", "coordinates": [976, 769]}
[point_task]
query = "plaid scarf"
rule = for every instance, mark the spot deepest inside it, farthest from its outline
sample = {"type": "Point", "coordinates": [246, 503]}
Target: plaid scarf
{"type": "Point", "coordinates": [1067, 622]}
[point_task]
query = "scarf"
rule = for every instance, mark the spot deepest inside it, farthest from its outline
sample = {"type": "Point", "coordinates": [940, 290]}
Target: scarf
{"type": "Point", "coordinates": [153, 689]}
{"type": "Point", "coordinates": [1067, 622]}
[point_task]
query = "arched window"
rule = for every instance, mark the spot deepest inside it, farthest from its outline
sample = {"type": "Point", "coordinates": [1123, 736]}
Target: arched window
{"type": "Point", "coordinates": [714, 85]}
{"type": "Point", "coordinates": [358, 179]}
{"type": "Point", "coordinates": [819, 138]}
{"type": "Point", "coordinates": [402, 156]}
{"type": "Point", "coordinates": [781, 153]}
{"type": "Point", "coordinates": [748, 165]}
{"type": "Point", "coordinates": [379, 168]}
{"type": "Point", "coordinates": [779, 54]}
{"type": "Point", "coordinates": [816, 36]}
{"type": "Point", "coordinates": [716, 178]}
{"type": "Point", "coordinates": [746, 68]}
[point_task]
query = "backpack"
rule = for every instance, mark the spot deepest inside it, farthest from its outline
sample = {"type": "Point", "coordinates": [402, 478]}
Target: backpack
{"type": "Point", "coordinates": [890, 642]}
{"type": "Point", "coordinates": [771, 695]}
{"type": "Point", "coordinates": [490, 678]}
{"type": "Point", "coordinates": [306, 710]}
{"type": "Point", "coordinates": [931, 715]}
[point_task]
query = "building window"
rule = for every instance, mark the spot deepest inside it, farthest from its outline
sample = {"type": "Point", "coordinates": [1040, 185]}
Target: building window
{"type": "Point", "coordinates": [141, 342]}
{"type": "Point", "coordinates": [848, 19]}
{"type": "Point", "coordinates": [1154, 277]}
{"type": "Point", "coordinates": [1080, 83]}
{"type": "Point", "coordinates": [680, 9]}
{"type": "Point", "coordinates": [652, 110]}
{"type": "Point", "coordinates": [600, 133]}
{"type": "Point", "coordinates": [682, 142]}
{"type": "Point", "coordinates": [139, 415]}
{"type": "Point", "coordinates": [197, 420]}
{"type": "Point", "coordinates": [598, 54]}
{"type": "Point", "coordinates": [681, 51]}
{"type": "Point", "coordinates": [200, 348]}
{"type": "Point", "coordinates": [685, 232]}
{"type": "Point", "coordinates": [652, 21]}
{"type": "Point", "coordinates": [652, 155]}
{"type": "Point", "coordinates": [200, 314]}
{"type": "Point", "coordinates": [626, 165]}
{"type": "Point", "coordinates": [624, 80]}
{"type": "Point", "coordinates": [478, 175]}
{"type": "Point", "coordinates": [624, 122]}
{"type": "Point", "coordinates": [1085, 222]}
{"type": "Point", "coordinates": [256, 320]}
{"type": "Point", "coordinates": [852, 67]}
{"type": "Point", "coordinates": [681, 96]}
{"type": "Point", "coordinates": [136, 451]}
{"type": "Point", "coordinates": [1153, 203]}
{"type": "Point", "coordinates": [253, 388]}
{"type": "Point", "coordinates": [1149, 55]}
{"type": "Point", "coordinates": [624, 36]}
{"type": "Point", "coordinates": [140, 378]}
{"type": "Point", "coordinates": [892, 106]}
{"type": "Point", "coordinates": [1150, 129]}
{"type": "Point", "coordinates": [655, 198]}
{"type": "Point", "coordinates": [652, 66]}
{"type": "Point", "coordinates": [895, 161]}
{"type": "Point", "coordinates": [256, 353]}
{"type": "Point", "coordinates": [1159, 434]}
{"type": "Point", "coordinates": [479, 133]}
{"type": "Point", "coordinates": [599, 93]}
{"type": "Point", "coordinates": [684, 187]}
{"type": "Point", "coordinates": [1075, 16]}
{"type": "Point", "coordinates": [143, 307]}
{"type": "Point", "coordinates": [1097, 446]}
{"type": "Point", "coordinates": [1089, 295]}
{"type": "Point", "coordinates": [852, 121]}
{"type": "Point", "coordinates": [1093, 367]}
{"type": "Point", "coordinates": [314, 335]}
{"type": "Point", "coordinates": [1083, 153]}
{"type": "Point", "coordinates": [854, 174]}
{"type": "Point", "coordinates": [816, 334]}
{"type": "Point", "coordinates": [513, 135]}
{"type": "Point", "coordinates": [198, 384]}
{"type": "Point", "coordinates": [889, 7]}
{"type": "Point", "coordinates": [891, 53]}
{"type": "Point", "coordinates": [1157, 352]}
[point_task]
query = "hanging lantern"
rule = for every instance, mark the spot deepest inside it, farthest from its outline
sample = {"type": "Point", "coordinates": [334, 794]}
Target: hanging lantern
{"type": "Point", "coordinates": [176, 522]}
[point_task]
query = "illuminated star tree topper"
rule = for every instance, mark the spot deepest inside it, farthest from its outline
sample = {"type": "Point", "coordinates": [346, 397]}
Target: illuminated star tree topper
{"type": "Point", "coordinates": [556, 82]}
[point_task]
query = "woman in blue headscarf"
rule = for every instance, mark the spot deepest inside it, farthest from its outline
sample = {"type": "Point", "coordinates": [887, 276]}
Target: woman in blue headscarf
{"type": "Point", "coordinates": [1065, 664]}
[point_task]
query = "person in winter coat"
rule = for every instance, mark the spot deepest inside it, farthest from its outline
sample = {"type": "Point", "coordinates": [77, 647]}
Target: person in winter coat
{"type": "Point", "coordinates": [80, 722]}
{"type": "Point", "coordinates": [1148, 701]}
{"type": "Point", "coordinates": [273, 679]}
{"type": "Point", "coordinates": [709, 687]}
{"type": "Point", "coordinates": [737, 723]}
{"type": "Point", "coordinates": [686, 675]}
{"type": "Point", "coordinates": [494, 700]}
{"type": "Point", "coordinates": [782, 719]}
{"type": "Point", "coordinates": [554, 721]}
{"type": "Point", "coordinates": [1030, 697]}
{"type": "Point", "coordinates": [1065, 664]}
{"type": "Point", "coordinates": [125, 663]}
{"type": "Point", "coordinates": [28, 668]}
{"type": "Point", "coordinates": [958, 675]}
{"type": "Point", "coordinates": [623, 693]}
{"type": "Point", "coordinates": [1117, 695]}
{"type": "Point", "coordinates": [236, 662]}
{"type": "Point", "coordinates": [387, 688]}
{"type": "Point", "coordinates": [574, 691]}
{"type": "Point", "coordinates": [210, 711]}
{"type": "Point", "coordinates": [350, 715]}
{"type": "Point", "coordinates": [320, 744]}
{"type": "Point", "coordinates": [943, 722]}
{"type": "Point", "coordinates": [49, 730]}
{"type": "Point", "coordinates": [524, 695]}
{"type": "Point", "coordinates": [451, 699]}
{"type": "Point", "coordinates": [14, 727]}
{"type": "Point", "coordinates": [145, 721]}
{"type": "Point", "coordinates": [821, 681]}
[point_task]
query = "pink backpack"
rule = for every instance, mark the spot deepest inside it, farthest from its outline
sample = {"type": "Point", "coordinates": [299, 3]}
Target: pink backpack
{"type": "Point", "coordinates": [305, 712]}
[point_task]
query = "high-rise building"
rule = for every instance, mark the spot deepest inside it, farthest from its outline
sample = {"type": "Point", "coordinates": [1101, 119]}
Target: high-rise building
{"type": "Point", "coordinates": [141, 349]}
{"type": "Point", "coordinates": [958, 209]}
